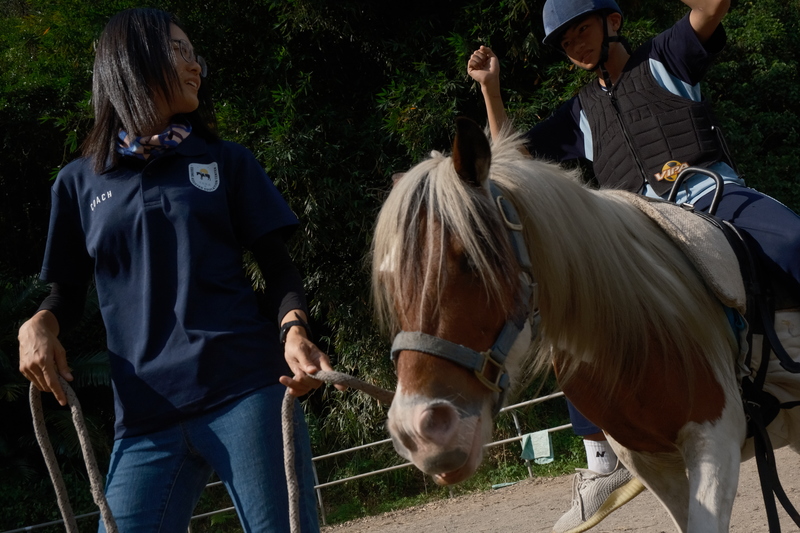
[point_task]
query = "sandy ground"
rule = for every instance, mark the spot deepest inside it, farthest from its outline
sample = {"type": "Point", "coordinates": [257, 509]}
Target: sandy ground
{"type": "Point", "coordinates": [534, 505]}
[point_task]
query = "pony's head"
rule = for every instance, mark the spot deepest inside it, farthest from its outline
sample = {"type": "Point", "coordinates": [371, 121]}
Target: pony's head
{"type": "Point", "coordinates": [447, 280]}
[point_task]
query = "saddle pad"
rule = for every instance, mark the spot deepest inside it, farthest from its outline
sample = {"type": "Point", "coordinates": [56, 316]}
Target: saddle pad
{"type": "Point", "coordinates": [703, 244]}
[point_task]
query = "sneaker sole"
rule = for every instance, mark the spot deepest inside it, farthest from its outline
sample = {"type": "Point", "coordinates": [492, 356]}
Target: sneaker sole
{"type": "Point", "coordinates": [615, 500]}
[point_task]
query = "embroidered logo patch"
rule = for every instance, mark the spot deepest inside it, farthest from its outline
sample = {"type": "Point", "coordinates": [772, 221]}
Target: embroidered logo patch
{"type": "Point", "coordinates": [204, 176]}
{"type": "Point", "coordinates": [670, 170]}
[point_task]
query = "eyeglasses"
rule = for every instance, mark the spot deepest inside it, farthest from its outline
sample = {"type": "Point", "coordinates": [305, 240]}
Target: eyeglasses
{"type": "Point", "coordinates": [188, 55]}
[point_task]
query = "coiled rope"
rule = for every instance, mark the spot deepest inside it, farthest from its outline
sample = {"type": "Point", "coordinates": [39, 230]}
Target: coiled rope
{"type": "Point", "coordinates": [96, 480]}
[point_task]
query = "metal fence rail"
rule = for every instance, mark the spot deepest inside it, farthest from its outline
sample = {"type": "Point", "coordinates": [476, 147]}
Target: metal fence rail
{"type": "Point", "coordinates": [319, 486]}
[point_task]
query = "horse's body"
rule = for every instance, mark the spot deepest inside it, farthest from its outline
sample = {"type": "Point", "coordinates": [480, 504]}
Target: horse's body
{"type": "Point", "coordinates": [639, 344]}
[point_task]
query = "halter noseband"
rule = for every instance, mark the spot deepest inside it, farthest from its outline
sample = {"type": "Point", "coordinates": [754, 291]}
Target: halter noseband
{"type": "Point", "coordinates": [495, 357]}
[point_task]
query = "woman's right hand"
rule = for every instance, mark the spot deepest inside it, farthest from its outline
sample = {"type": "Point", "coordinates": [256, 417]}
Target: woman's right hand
{"type": "Point", "coordinates": [42, 358]}
{"type": "Point", "coordinates": [484, 67]}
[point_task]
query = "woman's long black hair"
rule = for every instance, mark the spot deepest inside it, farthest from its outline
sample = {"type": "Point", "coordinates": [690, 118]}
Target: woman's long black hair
{"type": "Point", "coordinates": [134, 58]}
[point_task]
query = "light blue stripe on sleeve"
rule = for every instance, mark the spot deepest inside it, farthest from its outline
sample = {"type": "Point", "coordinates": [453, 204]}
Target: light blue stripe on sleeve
{"type": "Point", "coordinates": [588, 146]}
{"type": "Point", "coordinates": [673, 84]}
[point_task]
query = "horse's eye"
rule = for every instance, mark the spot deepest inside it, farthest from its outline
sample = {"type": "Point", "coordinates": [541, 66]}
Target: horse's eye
{"type": "Point", "coordinates": [467, 265]}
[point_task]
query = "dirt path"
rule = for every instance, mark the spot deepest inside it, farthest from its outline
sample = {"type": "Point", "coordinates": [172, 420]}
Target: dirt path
{"type": "Point", "coordinates": [534, 505]}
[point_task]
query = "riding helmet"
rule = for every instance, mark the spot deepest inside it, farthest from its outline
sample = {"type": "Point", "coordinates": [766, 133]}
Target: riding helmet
{"type": "Point", "coordinates": [557, 15]}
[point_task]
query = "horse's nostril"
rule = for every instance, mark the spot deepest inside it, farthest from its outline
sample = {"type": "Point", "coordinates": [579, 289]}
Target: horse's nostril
{"type": "Point", "coordinates": [440, 416]}
{"type": "Point", "coordinates": [437, 423]}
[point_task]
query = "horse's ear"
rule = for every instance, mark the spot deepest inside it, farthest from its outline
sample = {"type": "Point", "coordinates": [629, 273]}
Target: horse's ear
{"type": "Point", "coordinates": [471, 152]}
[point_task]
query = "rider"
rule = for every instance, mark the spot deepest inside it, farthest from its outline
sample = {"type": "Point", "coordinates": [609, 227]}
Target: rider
{"type": "Point", "coordinates": [640, 123]}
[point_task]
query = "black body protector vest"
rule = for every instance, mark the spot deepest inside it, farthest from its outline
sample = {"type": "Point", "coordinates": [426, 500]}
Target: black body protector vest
{"type": "Point", "coordinates": [642, 132]}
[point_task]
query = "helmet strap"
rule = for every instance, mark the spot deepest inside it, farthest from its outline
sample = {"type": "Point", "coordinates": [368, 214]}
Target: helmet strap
{"type": "Point", "coordinates": [607, 39]}
{"type": "Point", "coordinates": [604, 50]}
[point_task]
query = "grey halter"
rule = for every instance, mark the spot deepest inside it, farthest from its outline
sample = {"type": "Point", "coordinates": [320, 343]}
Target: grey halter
{"type": "Point", "coordinates": [480, 362]}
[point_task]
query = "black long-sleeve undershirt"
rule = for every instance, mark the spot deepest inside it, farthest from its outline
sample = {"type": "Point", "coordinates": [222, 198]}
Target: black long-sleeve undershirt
{"type": "Point", "coordinates": [284, 285]}
{"type": "Point", "coordinates": [66, 301]}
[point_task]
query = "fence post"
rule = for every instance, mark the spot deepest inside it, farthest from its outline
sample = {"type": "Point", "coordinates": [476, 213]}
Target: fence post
{"type": "Point", "coordinates": [319, 495]}
{"type": "Point", "coordinates": [519, 434]}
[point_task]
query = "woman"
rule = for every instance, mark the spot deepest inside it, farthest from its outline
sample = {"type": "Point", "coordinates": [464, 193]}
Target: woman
{"type": "Point", "coordinates": [159, 211]}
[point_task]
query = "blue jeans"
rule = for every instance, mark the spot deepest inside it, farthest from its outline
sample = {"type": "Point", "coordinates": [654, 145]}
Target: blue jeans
{"type": "Point", "coordinates": [155, 480]}
{"type": "Point", "coordinates": [581, 425]}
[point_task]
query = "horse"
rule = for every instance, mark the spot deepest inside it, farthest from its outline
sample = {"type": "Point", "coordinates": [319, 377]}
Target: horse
{"type": "Point", "coordinates": [514, 265]}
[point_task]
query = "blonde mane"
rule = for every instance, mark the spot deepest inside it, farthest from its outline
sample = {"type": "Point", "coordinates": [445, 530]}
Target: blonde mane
{"type": "Point", "coordinates": [614, 290]}
{"type": "Point", "coordinates": [403, 236]}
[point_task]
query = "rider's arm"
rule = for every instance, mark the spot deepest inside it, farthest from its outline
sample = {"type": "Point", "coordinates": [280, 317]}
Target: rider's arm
{"type": "Point", "coordinates": [560, 137]}
{"type": "Point", "coordinates": [284, 288]}
{"type": "Point", "coordinates": [495, 110]}
{"type": "Point", "coordinates": [484, 67]}
{"type": "Point", "coordinates": [706, 16]}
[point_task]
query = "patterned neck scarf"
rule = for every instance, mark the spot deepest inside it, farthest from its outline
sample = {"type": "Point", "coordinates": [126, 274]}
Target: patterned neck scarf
{"type": "Point", "coordinates": [152, 145]}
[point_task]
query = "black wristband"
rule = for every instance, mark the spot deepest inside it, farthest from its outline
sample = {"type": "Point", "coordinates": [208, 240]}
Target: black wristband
{"type": "Point", "coordinates": [287, 326]}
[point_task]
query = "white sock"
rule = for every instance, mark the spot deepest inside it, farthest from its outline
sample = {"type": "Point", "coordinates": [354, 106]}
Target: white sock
{"type": "Point", "coordinates": [600, 456]}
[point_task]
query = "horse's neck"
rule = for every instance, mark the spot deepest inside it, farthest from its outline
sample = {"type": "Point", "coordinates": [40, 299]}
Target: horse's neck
{"type": "Point", "coordinates": [580, 237]}
{"type": "Point", "coordinates": [586, 250]}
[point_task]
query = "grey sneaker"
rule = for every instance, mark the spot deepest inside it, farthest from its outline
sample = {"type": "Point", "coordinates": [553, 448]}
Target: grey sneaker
{"type": "Point", "coordinates": [595, 496]}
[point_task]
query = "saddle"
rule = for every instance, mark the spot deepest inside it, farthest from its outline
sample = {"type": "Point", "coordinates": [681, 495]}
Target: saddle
{"type": "Point", "coordinates": [702, 243]}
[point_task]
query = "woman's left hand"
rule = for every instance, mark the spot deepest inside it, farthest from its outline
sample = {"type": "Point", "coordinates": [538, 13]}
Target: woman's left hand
{"type": "Point", "coordinates": [304, 359]}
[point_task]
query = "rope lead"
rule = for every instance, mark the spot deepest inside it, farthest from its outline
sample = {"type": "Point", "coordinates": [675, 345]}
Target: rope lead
{"type": "Point", "coordinates": [96, 480]}
{"type": "Point", "coordinates": [287, 414]}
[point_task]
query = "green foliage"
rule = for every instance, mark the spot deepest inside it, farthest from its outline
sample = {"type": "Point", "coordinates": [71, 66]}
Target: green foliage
{"type": "Point", "coordinates": [34, 503]}
{"type": "Point", "coordinates": [756, 89]}
{"type": "Point", "coordinates": [332, 97]}
{"type": "Point", "coordinates": [45, 69]}
{"type": "Point", "coordinates": [26, 494]}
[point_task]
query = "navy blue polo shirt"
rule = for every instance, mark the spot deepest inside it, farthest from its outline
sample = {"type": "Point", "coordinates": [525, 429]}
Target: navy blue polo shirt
{"type": "Point", "coordinates": [164, 241]}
